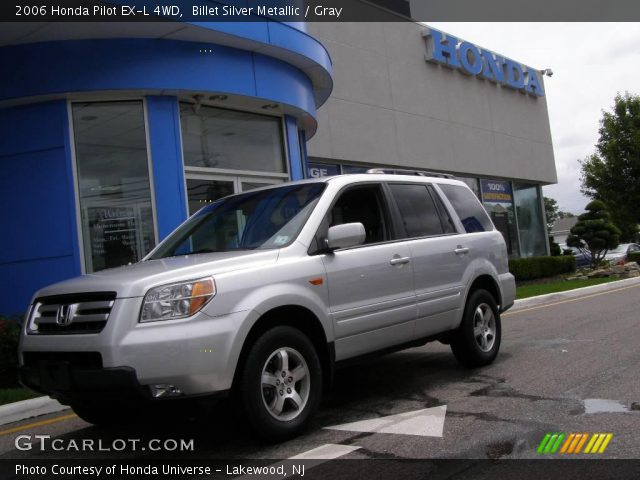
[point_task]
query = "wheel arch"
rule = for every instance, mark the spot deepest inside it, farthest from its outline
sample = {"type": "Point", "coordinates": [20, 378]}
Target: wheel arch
{"type": "Point", "coordinates": [488, 283]}
{"type": "Point", "coordinates": [295, 316]}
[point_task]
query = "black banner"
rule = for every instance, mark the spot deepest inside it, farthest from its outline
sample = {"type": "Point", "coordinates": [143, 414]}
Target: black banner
{"type": "Point", "coordinates": [369, 469]}
{"type": "Point", "coordinates": [316, 10]}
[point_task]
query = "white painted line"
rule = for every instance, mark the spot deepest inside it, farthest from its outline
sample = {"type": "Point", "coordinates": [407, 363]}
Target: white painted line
{"type": "Point", "coordinates": [326, 452]}
{"type": "Point", "coordinates": [34, 407]}
{"type": "Point", "coordinates": [428, 422]}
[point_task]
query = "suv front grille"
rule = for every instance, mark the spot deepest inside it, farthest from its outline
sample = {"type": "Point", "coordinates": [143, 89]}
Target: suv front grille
{"type": "Point", "coordinates": [71, 314]}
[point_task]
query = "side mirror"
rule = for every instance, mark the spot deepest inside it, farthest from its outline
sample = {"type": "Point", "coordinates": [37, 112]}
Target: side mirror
{"type": "Point", "coordinates": [345, 235]}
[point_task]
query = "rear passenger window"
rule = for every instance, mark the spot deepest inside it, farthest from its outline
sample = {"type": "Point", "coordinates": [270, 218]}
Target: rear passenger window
{"type": "Point", "coordinates": [419, 214]}
{"type": "Point", "coordinates": [445, 218]}
{"type": "Point", "coordinates": [472, 214]}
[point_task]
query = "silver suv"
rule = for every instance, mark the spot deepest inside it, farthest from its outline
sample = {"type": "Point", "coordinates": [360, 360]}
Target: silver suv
{"type": "Point", "coordinates": [261, 294]}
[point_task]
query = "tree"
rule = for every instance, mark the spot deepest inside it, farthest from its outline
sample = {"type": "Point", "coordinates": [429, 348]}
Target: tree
{"type": "Point", "coordinates": [612, 174]}
{"type": "Point", "coordinates": [594, 232]}
{"type": "Point", "coordinates": [551, 211]}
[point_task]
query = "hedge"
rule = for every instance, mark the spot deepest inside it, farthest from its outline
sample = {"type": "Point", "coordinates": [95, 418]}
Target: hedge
{"type": "Point", "coordinates": [634, 257]}
{"type": "Point", "coordinates": [540, 267]}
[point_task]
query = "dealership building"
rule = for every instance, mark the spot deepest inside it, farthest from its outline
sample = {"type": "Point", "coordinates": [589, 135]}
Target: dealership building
{"type": "Point", "coordinates": [113, 134]}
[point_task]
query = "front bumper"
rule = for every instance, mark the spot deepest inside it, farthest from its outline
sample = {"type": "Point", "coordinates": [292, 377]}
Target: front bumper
{"type": "Point", "coordinates": [198, 355]}
{"type": "Point", "coordinates": [69, 384]}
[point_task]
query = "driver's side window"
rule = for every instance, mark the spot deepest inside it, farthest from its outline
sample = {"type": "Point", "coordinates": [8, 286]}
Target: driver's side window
{"type": "Point", "coordinates": [362, 204]}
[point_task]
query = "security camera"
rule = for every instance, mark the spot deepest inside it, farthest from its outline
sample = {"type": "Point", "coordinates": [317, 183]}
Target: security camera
{"type": "Point", "coordinates": [547, 71]}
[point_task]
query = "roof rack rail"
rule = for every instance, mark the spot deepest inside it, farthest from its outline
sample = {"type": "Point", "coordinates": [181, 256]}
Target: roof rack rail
{"type": "Point", "coordinates": [418, 173]}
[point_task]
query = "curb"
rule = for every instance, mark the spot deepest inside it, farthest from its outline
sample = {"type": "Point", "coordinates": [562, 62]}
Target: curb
{"type": "Point", "coordinates": [34, 407]}
{"type": "Point", "coordinates": [575, 293]}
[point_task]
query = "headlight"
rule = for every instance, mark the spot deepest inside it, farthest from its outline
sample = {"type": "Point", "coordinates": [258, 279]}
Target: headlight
{"type": "Point", "coordinates": [178, 300]}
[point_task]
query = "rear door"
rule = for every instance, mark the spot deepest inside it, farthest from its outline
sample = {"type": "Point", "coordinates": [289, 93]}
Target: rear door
{"type": "Point", "coordinates": [370, 286]}
{"type": "Point", "coordinates": [438, 266]}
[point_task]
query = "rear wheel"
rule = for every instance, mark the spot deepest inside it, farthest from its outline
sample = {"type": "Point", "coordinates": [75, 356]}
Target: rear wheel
{"type": "Point", "coordinates": [281, 383]}
{"type": "Point", "coordinates": [477, 340]}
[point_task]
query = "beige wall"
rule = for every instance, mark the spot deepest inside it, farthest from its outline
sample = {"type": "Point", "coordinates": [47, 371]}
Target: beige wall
{"type": "Point", "coordinates": [389, 106]}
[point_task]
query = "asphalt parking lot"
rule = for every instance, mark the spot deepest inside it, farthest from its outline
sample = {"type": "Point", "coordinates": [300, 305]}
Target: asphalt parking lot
{"type": "Point", "coordinates": [566, 367]}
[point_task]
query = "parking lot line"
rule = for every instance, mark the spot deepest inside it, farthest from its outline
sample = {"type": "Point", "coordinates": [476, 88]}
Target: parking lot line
{"type": "Point", "coordinates": [328, 451]}
{"type": "Point", "coordinates": [38, 424]}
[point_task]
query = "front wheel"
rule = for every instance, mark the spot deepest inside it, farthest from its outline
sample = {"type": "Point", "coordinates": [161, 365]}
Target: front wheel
{"type": "Point", "coordinates": [281, 383]}
{"type": "Point", "coordinates": [477, 340]}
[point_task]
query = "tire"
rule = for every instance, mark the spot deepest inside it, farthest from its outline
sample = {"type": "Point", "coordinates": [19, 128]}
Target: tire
{"type": "Point", "coordinates": [280, 385]}
{"type": "Point", "coordinates": [476, 342]}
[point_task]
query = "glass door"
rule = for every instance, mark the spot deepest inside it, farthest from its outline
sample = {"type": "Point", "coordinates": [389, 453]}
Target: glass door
{"type": "Point", "coordinates": [203, 189]}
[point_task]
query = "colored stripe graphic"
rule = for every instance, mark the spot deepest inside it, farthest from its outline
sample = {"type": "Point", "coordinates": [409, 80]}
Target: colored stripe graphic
{"type": "Point", "coordinates": [598, 443]}
{"type": "Point", "coordinates": [572, 443]}
{"type": "Point", "coordinates": [568, 442]}
{"type": "Point", "coordinates": [543, 443]}
{"type": "Point", "coordinates": [581, 443]}
{"type": "Point", "coordinates": [550, 443]}
{"type": "Point", "coordinates": [604, 445]}
{"type": "Point", "coordinates": [594, 437]}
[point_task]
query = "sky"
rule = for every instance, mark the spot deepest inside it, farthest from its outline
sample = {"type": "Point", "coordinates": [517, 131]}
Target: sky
{"type": "Point", "coordinates": [591, 63]}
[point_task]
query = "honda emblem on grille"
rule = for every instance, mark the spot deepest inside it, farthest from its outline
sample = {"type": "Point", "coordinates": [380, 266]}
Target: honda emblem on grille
{"type": "Point", "coordinates": [65, 314]}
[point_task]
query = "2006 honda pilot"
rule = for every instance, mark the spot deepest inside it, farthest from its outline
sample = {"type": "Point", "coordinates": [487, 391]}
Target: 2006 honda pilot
{"type": "Point", "coordinates": [261, 294]}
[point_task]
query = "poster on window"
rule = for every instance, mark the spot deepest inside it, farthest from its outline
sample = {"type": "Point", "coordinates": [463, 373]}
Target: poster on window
{"type": "Point", "coordinates": [113, 236]}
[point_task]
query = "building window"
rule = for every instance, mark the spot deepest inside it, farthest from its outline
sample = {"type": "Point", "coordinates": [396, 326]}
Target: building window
{"type": "Point", "coordinates": [472, 183]}
{"type": "Point", "coordinates": [113, 183]}
{"type": "Point", "coordinates": [530, 224]}
{"type": "Point", "coordinates": [497, 198]}
{"type": "Point", "coordinates": [230, 140]}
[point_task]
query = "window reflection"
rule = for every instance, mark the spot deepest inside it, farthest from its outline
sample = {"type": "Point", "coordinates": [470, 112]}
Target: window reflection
{"type": "Point", "coordinates": [528, 208]}
{"type": "Point", "coordinates": [227, 139]}
{"type": "Point", "coordinates": [113, 183]}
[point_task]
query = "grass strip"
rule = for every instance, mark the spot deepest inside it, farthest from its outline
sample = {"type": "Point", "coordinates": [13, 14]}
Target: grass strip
{"type": "Point", "coordinates": [526, 291]}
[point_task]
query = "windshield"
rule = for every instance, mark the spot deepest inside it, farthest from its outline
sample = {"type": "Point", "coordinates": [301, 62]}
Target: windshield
{"type": "Point", "coordinates": [261, 219]}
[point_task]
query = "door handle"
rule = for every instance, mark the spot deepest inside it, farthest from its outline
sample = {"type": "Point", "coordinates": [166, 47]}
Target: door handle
{"type": "Point", "coordinates": [460, 250]}
{"type": "Point", "coordinates": [399, 260]}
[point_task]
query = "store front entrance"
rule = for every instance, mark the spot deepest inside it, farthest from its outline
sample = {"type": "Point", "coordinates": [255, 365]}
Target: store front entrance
{"type": "Point", "coordinates": [203, 189]}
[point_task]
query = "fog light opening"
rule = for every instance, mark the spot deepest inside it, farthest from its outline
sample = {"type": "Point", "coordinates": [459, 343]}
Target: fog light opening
{"type": "Point", "coordinates": [164, 390]}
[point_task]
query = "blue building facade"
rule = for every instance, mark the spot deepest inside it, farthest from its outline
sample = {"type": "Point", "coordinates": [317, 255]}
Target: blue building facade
{"type": "Point", "coordinates": [113, 134]}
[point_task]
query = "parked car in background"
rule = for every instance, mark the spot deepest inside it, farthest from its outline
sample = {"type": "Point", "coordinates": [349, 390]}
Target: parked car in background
{"type": "Point", "coordinates": [618, 256]}
{"type": "Point", "coordinates": [583, 259]}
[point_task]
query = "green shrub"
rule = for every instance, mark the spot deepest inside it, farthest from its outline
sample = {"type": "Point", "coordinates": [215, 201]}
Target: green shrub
{"type": "Point", "coordinates": [540, 267]}
{"type": "Point", "coordinates": [634, 257]}
{"type": "Point", "coordinates": [9, 333]}
{"type": "Point", "coordinates": [554, 248]}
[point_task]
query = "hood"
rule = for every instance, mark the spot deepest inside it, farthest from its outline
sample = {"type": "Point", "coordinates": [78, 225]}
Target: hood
{"type": "Point", "coordinates": [134, 280]}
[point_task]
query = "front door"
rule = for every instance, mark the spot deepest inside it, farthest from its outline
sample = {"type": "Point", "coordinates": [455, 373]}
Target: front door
{"type": "Point", "coordinates": [370, 286]}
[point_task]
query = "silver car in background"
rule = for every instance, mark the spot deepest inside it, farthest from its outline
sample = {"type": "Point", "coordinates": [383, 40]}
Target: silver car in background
{"type": "Point", "coordinates": [261, 294]}
{"type": "Point", "coordinates": [620, 254]}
